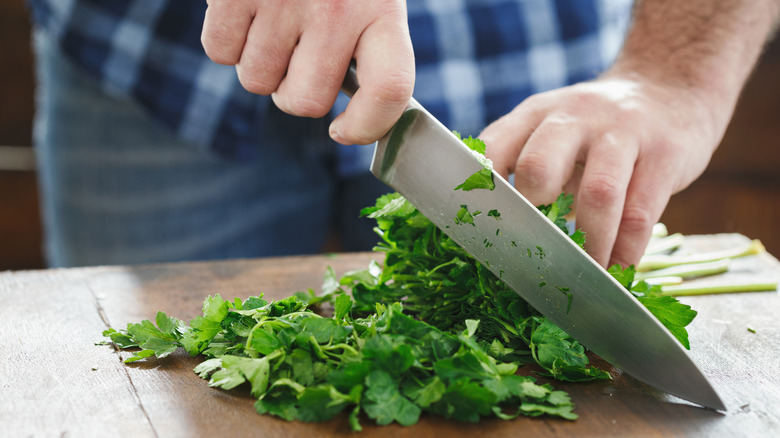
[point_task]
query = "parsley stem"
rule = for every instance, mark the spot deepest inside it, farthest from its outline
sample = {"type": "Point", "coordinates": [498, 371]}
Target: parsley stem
{"type": "Point", "coordinates": [686, 270]}
{"type": "Point", "coordinates": [341, 346]}
{"type": "Point", "coordinates": [657, 261]}
{"type": "Point", "coordinates": [664, 244]}
{"type": "Point", "coordinates": [664, 281]}
{"type": "Point", "coordinates": [506, 326]}
{"type": "Point", "coordinates": [451, 262]}
{"type": "Point", "coordinates": [660, 230]}
{"type": "Point", "coordinates": [276, 321]}
{"type": "Point", "coordinates": [719, 287]}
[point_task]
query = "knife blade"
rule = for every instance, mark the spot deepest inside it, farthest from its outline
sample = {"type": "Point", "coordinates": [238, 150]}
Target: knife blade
{"type": "Point", "coordinates": [424, 161]}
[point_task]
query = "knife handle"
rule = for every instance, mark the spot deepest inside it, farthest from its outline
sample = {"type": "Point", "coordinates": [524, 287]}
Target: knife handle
{"type": "Point", "coordinates": [350, 84]}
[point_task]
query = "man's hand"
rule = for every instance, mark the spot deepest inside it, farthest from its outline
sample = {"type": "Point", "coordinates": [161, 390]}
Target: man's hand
{"type": "Point", "coordinates": [622, 145]}
{"type": "Point", "coordinates": [298, 52]}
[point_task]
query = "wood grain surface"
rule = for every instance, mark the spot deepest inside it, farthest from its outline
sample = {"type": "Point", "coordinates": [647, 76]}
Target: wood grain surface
{"type": "Point", "coordinates": [55, 381]}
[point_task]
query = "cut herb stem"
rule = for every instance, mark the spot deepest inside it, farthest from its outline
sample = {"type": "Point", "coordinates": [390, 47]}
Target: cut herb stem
{"type": "Point", "coordinates": [664, 281]}
{"type": "Point", "coordinates": [687, 270]}
{"type": "Point", "coordinates": [665, 244]}
{"type": "Point", "coordinates": [658, 261]}
{"type": "Point", "coordinates": [720, 287]}
{"type": "Point", "coordinates": [660, 230]}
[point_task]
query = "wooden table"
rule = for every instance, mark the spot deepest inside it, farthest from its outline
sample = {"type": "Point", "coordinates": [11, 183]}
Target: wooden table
{"type": "Point", "coordinates": [54, 380]}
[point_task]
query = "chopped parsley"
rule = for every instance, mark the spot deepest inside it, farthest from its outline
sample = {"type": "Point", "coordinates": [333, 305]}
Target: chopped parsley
{"type": "Point", "coordinates": [429, 331]}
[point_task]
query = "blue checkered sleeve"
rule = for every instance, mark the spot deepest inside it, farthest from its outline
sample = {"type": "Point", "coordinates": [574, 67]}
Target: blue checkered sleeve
{"type": "Point", "coordinates": [476, 60]}
{"type": "Point", "coordinates": [150, 51]}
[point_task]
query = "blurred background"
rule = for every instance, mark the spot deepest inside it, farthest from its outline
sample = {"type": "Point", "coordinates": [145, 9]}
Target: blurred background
{"type": "Point", "coordinates": [740, 191]}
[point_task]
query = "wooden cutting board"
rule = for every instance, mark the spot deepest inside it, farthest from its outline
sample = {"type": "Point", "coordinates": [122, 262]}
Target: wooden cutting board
{"type": "Point", "coordinates": [54, 380]}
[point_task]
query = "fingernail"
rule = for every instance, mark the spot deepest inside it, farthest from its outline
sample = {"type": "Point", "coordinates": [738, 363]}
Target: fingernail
{"type": "Point", "coordinates": [335, 132]}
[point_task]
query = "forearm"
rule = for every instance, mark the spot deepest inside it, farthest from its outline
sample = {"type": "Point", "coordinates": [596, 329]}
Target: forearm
{"type": "Point", "coordinates": [706, 46]}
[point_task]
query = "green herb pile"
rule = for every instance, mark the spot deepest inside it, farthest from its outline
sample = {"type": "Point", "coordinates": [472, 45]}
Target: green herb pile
{"type": "Point", "coordinates": [440, 283]}
{"type": "Point", "coordinates": [303, 366]}
{"type": "Point", "coordinates": [431, 330]}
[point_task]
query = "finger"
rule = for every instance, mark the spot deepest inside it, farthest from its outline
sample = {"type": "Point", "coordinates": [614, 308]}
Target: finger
{"type": "Point", "coordinates": [602, 191]}
{"type": "Point", "coordinates": [385, 71]}
{"type": "Point", "coordinates": [504, 139]}
{"type": "Point", "coordinates": [316, 69]}
{"type": "Point", "coordinates": [269, 45]}
{"type": "Point", "coordinates": [225, 28]}
{"type": "Point", "coordinates": [648, 194]}
{"type": "Point", "coordinates": [547, 159]}
{"type": "Point", "coordinates": [573, 184]}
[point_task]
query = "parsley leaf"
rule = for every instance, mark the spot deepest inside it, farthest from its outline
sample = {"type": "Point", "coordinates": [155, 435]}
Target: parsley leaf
{"type": "Point", "coordinates": [674, 315]}
{"type": "Point", "coordinates": [483, 178]}
{"type": "Point", "coordinates": [385, 403]}
{"type": "Point", "coordinates": [560, 355]}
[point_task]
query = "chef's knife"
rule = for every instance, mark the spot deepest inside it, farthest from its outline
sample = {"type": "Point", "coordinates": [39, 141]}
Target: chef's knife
{"type": "Point", "coordinates": [424, 161]}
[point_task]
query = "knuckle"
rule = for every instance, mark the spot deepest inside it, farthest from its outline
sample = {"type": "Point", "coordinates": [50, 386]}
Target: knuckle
{"type": "Point", "coordinates": [260, 72]}
{"type": "Point", "coordinates": [394, 90]}
{"type": "Point", "coordinates": [532, 170]}
{"type": "Point", "coordinates": [601, 191]}
{"type": "Point", "coordinates": [533, 104]}
{"type": "Point", "coordinates": [332, 9]}
{"type": "Point", "coordinates": [560, 121]}
{"type": "Point", "coordinates": [307, 106]}
{"type": "Point", "coordinates": [578, 99]}
{"type": "Point", "coordinates": [668, 148]}
{"type": "Point", "coordinates": [384, 9]}
{"type": "Point", "coordinates": [610, 140]}
{"type": "Point", "coordinates": [631, 112]}
{"type": "Point", "coordinates": [256, 82]}
{"type": "Point", "coordinates": [217, 52]}
{"type": "Point", "coordinates": [220, 44]}
{"type": "Point", "coordinates": [636, 220]}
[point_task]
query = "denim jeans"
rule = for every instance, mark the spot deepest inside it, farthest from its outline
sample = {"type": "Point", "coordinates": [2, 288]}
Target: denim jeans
{"type": "Point", "coordinates": [118, 188]}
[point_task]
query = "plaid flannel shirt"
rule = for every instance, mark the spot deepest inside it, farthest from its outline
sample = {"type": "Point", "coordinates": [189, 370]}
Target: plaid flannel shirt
{"type": "Point", "coordinates": [475, 60]}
